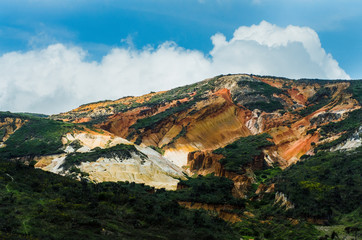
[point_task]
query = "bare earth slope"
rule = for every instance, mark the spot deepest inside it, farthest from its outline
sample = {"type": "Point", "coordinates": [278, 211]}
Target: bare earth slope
{"type": "Point", "coordinates": [215, 112]}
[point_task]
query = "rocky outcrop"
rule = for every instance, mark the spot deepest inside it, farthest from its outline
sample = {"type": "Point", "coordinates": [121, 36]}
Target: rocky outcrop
{"type": "Point", "coordinates": [152, 169]}
{"type": "Point", "coordinates": [351, 143]}
{"type": "Point", "coordinates": [281, 199]}
{"type": "Point", "coordinates": [8, 126]}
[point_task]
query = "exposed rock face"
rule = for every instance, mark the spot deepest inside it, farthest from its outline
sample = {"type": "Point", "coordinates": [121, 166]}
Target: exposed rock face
{"type": "Point", "coordinates": [153, 169]}
{"type": "Point", "coordinates": [8, 126]}
{"type": "Point", "coordinates": [281, 199]}
{"type": "Point", "coordinates": [351, 143]}
{"type": "Point", "coordinates": [206, 162]}
{"type": "Point", "coordinates": [134, 169]}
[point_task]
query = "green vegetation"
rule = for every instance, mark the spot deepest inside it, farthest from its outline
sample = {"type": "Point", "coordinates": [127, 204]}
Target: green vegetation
{"type": "Point", "coordinates": [96, 120]}
{"type": "Point", "coordinates": [269, 104]}
{"type": "Point", "coordinates": [157, 149]}
{"type": "Point", "coordinates": [321, 98]}
{"type": "Point", "coordinates": [41, 205]}
{"type": "Point", "coordinates": [261, 88]}
{"type": "Point", "coordinates": [275, 228]}
{"type": "Point", "coordinates": [119, 107]}
{"type": "Point", "coordinates": [264, 176]}
{"type": "Point", "coordinates": [21, 115]}
{"type": "Point", "coordinates": [199, 88]}
{"type": "Point", "coordinates": [151, 122]}
{"type": "Point", "coordinates": [356, 90]}
{"type": "Point", "coordinates": [184, 92]}
{"type": "Point", "coordinates": [324, 186]}
{"type": "Point", "coordinates": [208, 189]}
{"type": "Point", "coordinates": [121, 151]}
{"type": "Point", "coordinates": [243, 151]}
{"type": "Point", "coordinates": [161, 99]}
{"type": "Point", "coordinates": [347, 126]}
{"type": "Point", "coordinates": [180, 134]}
{"type": "Point", "coordinates": [2, 133]}
{"type": "Point", "coordinates": [38, 136]}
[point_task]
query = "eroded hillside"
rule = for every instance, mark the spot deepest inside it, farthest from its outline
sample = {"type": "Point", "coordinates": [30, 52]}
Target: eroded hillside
{"type": "Point", "coordinates": [215, 112]}
{"type": "Point", "coordinates": [84, 153]}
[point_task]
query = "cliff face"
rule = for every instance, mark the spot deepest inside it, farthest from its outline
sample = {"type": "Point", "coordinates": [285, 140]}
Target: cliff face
{"type": "Point", "coordinates": [150, 167]}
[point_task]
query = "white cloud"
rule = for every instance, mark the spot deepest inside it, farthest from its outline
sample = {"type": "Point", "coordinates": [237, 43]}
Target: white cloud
{"type": "Point", "coordinates": [58, 78]}
{"type": "Point", "coordinates": [293, 51]}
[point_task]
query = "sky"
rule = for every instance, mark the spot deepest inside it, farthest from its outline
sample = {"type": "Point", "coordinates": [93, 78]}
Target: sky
{"type": "Point", "coordinates": [57, 55]}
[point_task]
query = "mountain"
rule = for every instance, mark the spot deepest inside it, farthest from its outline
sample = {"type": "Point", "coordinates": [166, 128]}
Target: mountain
{"type": "Point", "coordinates": [215, 112]}
{"type": "Point", "coordinates": [275, 154]}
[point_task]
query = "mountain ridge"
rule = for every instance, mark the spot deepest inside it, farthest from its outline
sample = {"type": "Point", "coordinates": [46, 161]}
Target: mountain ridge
{"type": "Point", "coordinates": [225, 96]}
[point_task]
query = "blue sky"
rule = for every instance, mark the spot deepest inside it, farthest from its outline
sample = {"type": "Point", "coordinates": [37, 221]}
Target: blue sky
{"type": "Point", "coordinates": [100, 25]}
{"type": "Point", "coordinates": [93, 29]}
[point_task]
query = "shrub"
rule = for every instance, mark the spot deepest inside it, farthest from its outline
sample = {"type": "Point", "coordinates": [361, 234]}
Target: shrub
{"type": "Point", "coordinates": [242, 152]}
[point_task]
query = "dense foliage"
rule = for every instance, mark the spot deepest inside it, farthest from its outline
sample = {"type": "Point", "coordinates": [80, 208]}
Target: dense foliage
{"type": "Point", "coordinates": [269, 222]}
{"type": "Point", "coordinates": [38, 136]}
{"type": "Point", "coordinates": [208, 189]}
{"type": "Point", "coordinates": [242, 151]}
{"type": "Point", "coordinates": [120, 151]}
{"type": "Point", "coordinates": [41, 205]}
{"type": "Point", "coordinates": [265, 220]}
{"type": "Point", "coordinates": [268, 103]}
{"type": "Point", "coordinates": [356, 90]}
{"type": "Point", "coordinates": [326, 185]}
{"type": "Point", "coordinates": [21, 115]}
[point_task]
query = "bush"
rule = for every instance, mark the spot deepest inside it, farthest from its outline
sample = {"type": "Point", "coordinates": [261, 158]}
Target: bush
{"type": "Point", "coordinates": [325, 185]}
{"type": "Point", "coordinates": [41, 205]}
{"type": "Point", "coordinates": [242, 152]}
{"type": "Point", "coordinates": [208, 189]}
{"type": "Point", "coordinates": [121, 151]}
{"type": "Point", "coordinates": [38, 136]}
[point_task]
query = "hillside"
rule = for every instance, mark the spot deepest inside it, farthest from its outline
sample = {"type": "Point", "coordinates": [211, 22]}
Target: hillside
{"type": "Point", "coordinates": [78, 151]}
{"type": "Point", "coordinates": [215, 112]}
{"type": "Point", "coordinates": [270, 155]}
{"type": "Point", "coordinates": [40, 205]}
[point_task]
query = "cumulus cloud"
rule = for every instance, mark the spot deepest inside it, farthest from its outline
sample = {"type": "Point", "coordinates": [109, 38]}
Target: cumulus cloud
{"type": "Point", "coordinates": [293, 51]}
{"type": "Point", "coordinates": [58, 77]}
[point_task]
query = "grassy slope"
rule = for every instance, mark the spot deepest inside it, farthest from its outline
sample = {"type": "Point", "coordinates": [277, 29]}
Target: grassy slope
{"type": "Point", "coordinates": [38, 136]}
